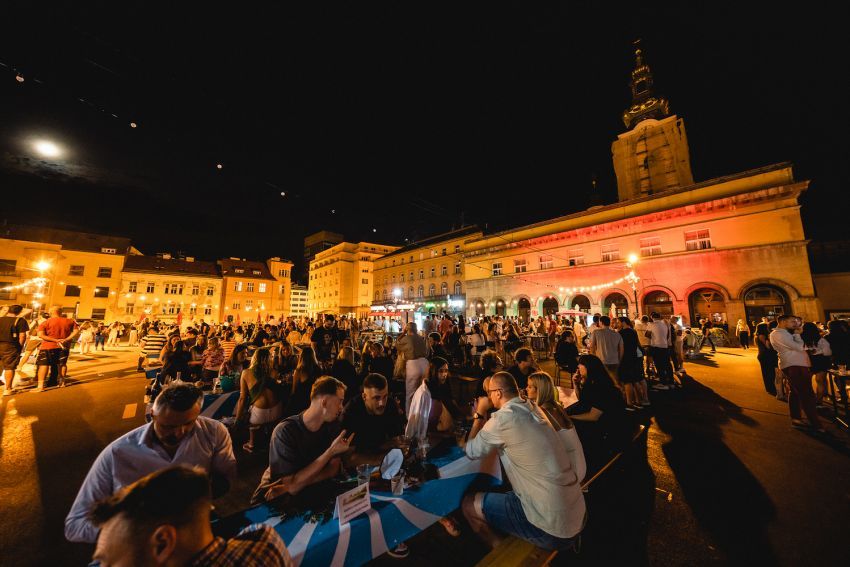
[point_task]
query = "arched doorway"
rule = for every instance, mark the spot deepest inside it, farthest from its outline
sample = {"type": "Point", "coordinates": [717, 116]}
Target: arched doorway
{"type": "Point", "coordinates": [550, 306]}
{"type": "Point", "coordinates": [615, 305]}
{"type": "Point", "coordinates": [707, 303]}
{"type": "Point", "coordinates": [659, 302]}
{"type": "Point", "coordinates": [766, 301]}
{"type": "Point", "coordinates": [524, 310]}
{"type": "Point", "coordinates": [581, 303]}
{"type": "Point", "coordinates": [480, 310]}
{"type": "Point", "coordinates": [501, 308]}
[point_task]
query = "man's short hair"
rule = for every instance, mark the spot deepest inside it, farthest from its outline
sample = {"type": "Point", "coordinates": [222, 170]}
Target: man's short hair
{"type": "Point", "coordinates": [434, 336]}
{"type": "Point", "coordinates": [375, 381]}
{"type": "Point", "coordinates": [329, 318]}
{"type": "Point", "coordinates": [178, 397]}
{"type": "Point", "coordinates": [783, 318]}
{"type": "Point", "coordinates": [605, 320]}
{"type": "Point", "coordinates": [644, 319]}
{"type": "Point", "coordinates": [192, 331]}
{"type": "Point", "coordinates": [413, 327]}
{"type": "Point", "coordinates": [655, 315]}
{"type": "Point", "coordinates": [15, 309]}
{"type": "Point", "coordinates": [523, 354]}
{"type": "Point", "coordinates": [175, 496]}
{"type": "Point", "coordinates": [326, 386]}
{"type": "Point", "coordinates": [505, 381]}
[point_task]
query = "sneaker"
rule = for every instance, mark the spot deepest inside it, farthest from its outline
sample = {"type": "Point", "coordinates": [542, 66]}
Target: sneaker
{"type": "Point", "coordinates": [631, 408]}
{"type": "Point", "coordinates": [660, 387]}
{"type": "Point", "coordinates": [646, 404]}
{"type": "Point", "coordinates": [399, 552]}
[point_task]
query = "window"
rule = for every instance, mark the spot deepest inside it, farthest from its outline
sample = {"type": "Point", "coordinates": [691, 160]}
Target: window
{"type": "Point", "coordinates": [237, 306]}
{"type": "Point", "coordinates": [237, 286]}
{"type": "Point", "coordinates": [444, 270]}
{"type": "Point", "coordinates": [410, 292]}
{"type": "Point", "coordinates": [420, 292]}
{"type": "Point", "coordinates": [173, 289]}
{"type": "Point", "coordinates": [258, 272]}
{"type": "Point", "coordinates": [545, 262]}
{"type": "Point", "coordinates": [282, 289]}
{"type": "Point", "coordinates": [393, 278]}
{"type": "Point", "coordinates": [433, 271]}
{"type": "Point", "coordinates": [262, 288]}
{"type": "Point", "coordinates": [72, 291]}
{"type": "Point", "coordinates": [129, 308]}
{"type": "Point", "coordinates": [108, 251]}
{"type": "Point", "coordinates": [7, 267]}
{"type": "Point", "coordinates": [384, 295]}
{"type": "Point", "coordinates": [458, 288]}
{"type": "Point", "coordinates": [377, 296]}
{"type": "Point", "coordinates": [497, 268]}
{"type": "Point", "coordinates": [239, 270]}
{"type": "Point", "coordinates": [444, 288]}
{"type": "Point", "coordinates": [171, 309]}
{"type": "Point", "coordinates": [698, 240]}
{"type": "Point", "coordinates": [457, 248]}
{"type": "Point", "coordinates": [432, 290]}
{"type": "Point", "coordinates": [411, 276]}
{"type": "Point", "coordinates": [251, 287]}
{"type": "Point", "coordinates": [365, 281]}
{"type": "Point", "coordinates": [196, 289]}
{"type": "Point", "coordinates": [283, 273]}
{"type": "Point", "coordinates": [76, 270]}
{"type": "Point", "coordinates": [520, 266]}
{"type": "Point", "coordinates": [98, 314]}
{"type": "Point", "coordinates": [411, 258]}
{"type": "Point", "coordinates": [401, 278]}
{"type": "Point", "coordinates": [444, 251]}
{"type": "Point", "coordinates": [576, 257]}
{"type": "Point", "coordinates": [208, 310]}
{"type": "Point", "coordinates": [457, 267]}
{"type": "Point", "coordinates": [210, 290]}
{"type": "Point", "coordinates": [150, 287]}
{"type": "Point", "coordinates": [610, 252]}
{"type": "Point", "coordinates": [650, 246]}
{"type": "Point", "coordinates": [101, 292]}
{"type": "Point", "coordinates": [132, 288]}
{"type": "Point", "coordinates": [421, 274]}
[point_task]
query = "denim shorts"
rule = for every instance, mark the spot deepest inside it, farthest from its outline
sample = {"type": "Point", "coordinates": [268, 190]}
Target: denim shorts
{"type": "Point", "coordinates": [504, 513]}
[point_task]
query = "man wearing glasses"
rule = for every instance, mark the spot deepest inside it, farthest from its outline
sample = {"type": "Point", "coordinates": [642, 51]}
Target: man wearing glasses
{"type": "Point", "coordinates": [546, 506]}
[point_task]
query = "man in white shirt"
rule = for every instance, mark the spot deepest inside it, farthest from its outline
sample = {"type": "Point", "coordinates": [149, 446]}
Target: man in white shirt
{"type": "Point", "coordinates": [659, 350]}
{"type": "Point", "coordinates": [177, 435]}
{"type": "Point", "coordinates": [795, 363]}
{"type": "Point", "coordinates": [607, 344]}
{"type": "Point", "coordinates": [545, 506]}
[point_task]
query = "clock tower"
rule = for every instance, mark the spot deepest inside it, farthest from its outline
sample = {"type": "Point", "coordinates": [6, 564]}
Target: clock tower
{"type": "Point", "coordinates": [652, 156]}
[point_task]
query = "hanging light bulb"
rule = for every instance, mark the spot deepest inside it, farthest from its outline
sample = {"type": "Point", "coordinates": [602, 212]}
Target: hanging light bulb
{"type": "Point", "coordinates": [133, 124]}
{"type": "Point", "coordinates": [19, 78]}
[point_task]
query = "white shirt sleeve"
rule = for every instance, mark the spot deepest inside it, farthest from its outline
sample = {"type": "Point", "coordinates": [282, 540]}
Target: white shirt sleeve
{"type": "Point", "coordinates": [488, 438]}
{"type": "Point", "coordinates": [97, 485]}
{"type": "Point", "coordinates": [223, 460]}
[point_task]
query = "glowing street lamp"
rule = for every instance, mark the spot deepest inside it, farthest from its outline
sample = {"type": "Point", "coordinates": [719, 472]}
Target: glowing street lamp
{"type": "Point", "coordinates": [632, 278]}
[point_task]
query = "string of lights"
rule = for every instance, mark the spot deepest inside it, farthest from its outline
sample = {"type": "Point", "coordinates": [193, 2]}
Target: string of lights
{"type": "Point", "coordinates": [37, 282]}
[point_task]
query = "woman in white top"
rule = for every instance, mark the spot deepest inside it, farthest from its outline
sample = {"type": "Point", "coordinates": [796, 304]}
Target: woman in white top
{"type": "Point", "coordinates": [86, 338]}
{"type": "Point", "coordinates": [478, 342]}
{"type": "Point", "coordinates": [113, 335]}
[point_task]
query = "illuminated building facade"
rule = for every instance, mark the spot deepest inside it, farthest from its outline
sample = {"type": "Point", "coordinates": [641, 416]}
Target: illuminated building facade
{"type": "Point", "coordinates": [255, 291]}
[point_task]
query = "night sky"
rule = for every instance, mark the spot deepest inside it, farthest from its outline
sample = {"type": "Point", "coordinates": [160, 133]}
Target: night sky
{"type": "Point", "coordinates": [406, 119]}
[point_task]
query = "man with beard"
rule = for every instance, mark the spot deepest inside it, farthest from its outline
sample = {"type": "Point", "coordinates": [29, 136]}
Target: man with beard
{"type": "Point", "coordinates": [177, 435]}
{"type": "Point", "coordinates": [373, 415]}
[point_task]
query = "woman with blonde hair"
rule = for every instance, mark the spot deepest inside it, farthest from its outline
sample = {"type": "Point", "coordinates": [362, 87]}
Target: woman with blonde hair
{"type": "Point", "coordinates": [258, 395]}
{"type": "Point", "coordinates": [743, 332]}
{"type": "Point", "coordinates": [541, 389]}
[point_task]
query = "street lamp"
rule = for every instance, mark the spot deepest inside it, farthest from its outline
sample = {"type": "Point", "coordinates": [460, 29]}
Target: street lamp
{"type": "Point", "coordinates": [632, 278]}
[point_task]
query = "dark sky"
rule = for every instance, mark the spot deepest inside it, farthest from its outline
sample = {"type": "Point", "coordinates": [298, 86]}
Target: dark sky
{"type": "Point", "coordinates": [403, 118]}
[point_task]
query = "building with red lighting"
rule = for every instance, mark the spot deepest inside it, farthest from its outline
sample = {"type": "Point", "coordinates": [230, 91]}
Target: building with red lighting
{"type": "Point", "coordinates": [728, 248]}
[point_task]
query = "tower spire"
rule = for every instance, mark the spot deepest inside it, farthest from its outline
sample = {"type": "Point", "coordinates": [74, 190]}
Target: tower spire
{"type": "Point", "coordinates": [644, 102]}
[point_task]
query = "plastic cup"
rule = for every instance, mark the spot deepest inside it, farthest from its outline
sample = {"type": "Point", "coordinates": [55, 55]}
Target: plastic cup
{"type": "Point", "coordinates": [397, 483]}
{"type": "Point", "coordinates": [363, 473]}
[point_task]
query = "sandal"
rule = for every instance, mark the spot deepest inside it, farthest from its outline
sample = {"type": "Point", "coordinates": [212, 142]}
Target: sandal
{"type": "Point", "coordinates": [451, 526]}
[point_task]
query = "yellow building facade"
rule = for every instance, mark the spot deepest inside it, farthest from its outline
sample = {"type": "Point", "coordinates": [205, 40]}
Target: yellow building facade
{"type": "Point", "coordinates": [255, 291]}
{"type": "Point", "coordinates": [83, 271]}
{"type": "Point", "coordinates": [429, 275]}
{"type": "Point", "coordinates": [341, 279]}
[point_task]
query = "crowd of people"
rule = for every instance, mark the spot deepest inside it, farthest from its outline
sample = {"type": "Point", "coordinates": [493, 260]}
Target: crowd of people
{"type": "Point", "coordinates": [314, 394]}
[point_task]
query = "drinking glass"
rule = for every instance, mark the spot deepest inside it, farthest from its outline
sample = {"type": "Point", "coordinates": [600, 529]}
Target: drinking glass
{"type": "Point", "coordinates": [397, 483]}
{"type": "Point", "coordinates": [364, 471]}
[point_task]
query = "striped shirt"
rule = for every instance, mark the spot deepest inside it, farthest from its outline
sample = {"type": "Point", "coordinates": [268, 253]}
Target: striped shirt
{"type": "Point", "coordinates": [152, 345]}
{"type": "Point", "coordinates": [228, 347]}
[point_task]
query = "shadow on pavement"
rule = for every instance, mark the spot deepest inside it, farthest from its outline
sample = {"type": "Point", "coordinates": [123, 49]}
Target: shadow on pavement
{"type": "Point", "coordinates": [725, 497]}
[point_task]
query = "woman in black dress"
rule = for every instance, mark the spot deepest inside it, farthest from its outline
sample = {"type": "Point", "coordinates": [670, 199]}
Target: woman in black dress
{"type": "Point", "coordinates": [600, 413]}
{"type": "Point", "coordinates": [631, 367]}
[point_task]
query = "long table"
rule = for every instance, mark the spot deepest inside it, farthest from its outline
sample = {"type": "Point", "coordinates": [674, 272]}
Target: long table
{"type": "Point", "coordinates": [391, 521]}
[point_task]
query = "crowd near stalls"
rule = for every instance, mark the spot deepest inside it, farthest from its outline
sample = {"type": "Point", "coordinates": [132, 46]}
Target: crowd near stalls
{"type": "Point", "coordinates": [313, 392]}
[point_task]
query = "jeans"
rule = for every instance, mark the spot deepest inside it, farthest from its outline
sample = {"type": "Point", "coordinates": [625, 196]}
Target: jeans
{"type": "Point", "coordinates": [800, 378]}
{"type": "Point", "coordinates": [504, 513]}
{"type": "Point", "coordinates": [661, 358]}
{"type": "Point", "coordinates": [99, 340]}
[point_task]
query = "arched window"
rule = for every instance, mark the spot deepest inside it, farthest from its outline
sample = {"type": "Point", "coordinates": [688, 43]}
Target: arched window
{"type": "Point", "coordinates": [377, 296]}
{"type": "Point", "coordinates": [421, 292]}
{"type": "Point", "coordinates": [384, 295]}
{"type": "Point", "coordinates": [432, 290]}
{"type": "Point", "coordinates": [458, 288]}
{"type": "Point", "coordinates": [401, 277]}
{"type": "Point", "coordinates": [410, 292]}
{"type": "Point", "coordinates": [444, 288]}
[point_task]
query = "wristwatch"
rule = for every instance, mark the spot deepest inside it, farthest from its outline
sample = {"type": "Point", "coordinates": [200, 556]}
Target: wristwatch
{"type": "Point", "coordinates": [477, 415]}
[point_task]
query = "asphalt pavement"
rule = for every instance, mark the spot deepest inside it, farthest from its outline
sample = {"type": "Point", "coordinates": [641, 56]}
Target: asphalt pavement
{"type": "Point", "coordinates": [721, 479]}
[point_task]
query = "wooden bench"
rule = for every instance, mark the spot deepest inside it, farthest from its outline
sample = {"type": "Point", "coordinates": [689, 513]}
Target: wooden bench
{"type": "Point", "coordinates": [516, 552]}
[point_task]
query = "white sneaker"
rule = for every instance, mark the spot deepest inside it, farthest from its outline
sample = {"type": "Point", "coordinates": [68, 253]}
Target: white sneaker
{"type": "Point", "coordinates": [661, 387]}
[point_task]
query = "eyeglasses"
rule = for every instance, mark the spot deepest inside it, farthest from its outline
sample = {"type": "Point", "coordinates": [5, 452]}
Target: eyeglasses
{"type": "Point", "coordinates": [494, 390]}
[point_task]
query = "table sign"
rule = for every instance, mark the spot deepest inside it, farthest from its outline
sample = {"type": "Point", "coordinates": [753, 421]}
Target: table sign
{"type": "Point", "coordinates": [352, 503]}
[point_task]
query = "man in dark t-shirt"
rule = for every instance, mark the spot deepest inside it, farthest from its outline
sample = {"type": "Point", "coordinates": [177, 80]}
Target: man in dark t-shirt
{"type": "Point", "coordinates": [523, 368]}
{"type": "Point", "coordinates": [306, 448]}
{"type": "Point", "coordinates": [325, 340]}
{"type": "Point", "coordinates": [374, 416]}
{"type": "Point", "coordinates": [13, 335]}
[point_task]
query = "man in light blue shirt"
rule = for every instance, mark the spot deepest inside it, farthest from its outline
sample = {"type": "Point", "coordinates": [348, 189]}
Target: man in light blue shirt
{"type": "Point", "coordinates": [177, 435]}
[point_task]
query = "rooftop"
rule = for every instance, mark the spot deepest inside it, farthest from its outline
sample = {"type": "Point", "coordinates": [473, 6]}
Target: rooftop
{"type": "Point", "coordinates": [68, 239]}
{"type": "Point", "coordinates": [154, 264]}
